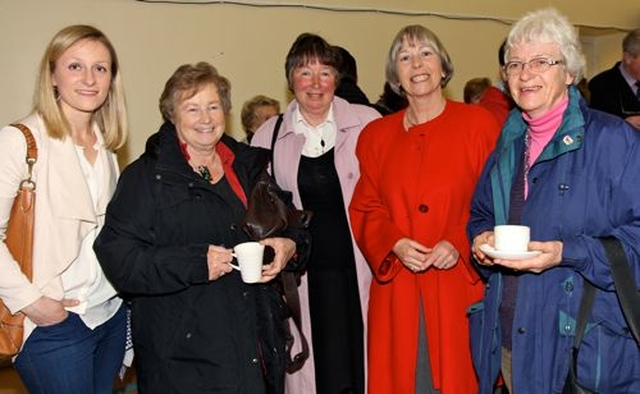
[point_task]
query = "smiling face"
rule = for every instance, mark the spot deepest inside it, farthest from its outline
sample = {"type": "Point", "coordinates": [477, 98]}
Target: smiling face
{"type": "Point", "coordinates": [82, 77]}
{"type": "Point", "coordinates": [314, 85]}
{"type": "Point", "coordinates": [200, 119]}
{"type": "Point", "coordinates": [537, 93]}
{"type": "Point", "coordinates": [419, 69]}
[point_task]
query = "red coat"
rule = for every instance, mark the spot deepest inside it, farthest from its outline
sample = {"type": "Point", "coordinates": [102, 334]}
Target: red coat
{"type": "Point", "coordinates": [418, 184]}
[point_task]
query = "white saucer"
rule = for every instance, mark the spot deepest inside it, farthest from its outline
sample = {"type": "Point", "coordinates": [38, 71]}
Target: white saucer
{"type": "Point", "coordinates": [496, 254]}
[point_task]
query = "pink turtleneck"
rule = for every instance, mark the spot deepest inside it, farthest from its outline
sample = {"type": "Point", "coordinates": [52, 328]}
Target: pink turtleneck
{"type": "Point", "coordinates": [541, 130]}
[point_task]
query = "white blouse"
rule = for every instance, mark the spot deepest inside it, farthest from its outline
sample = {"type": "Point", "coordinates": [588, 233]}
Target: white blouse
{"type": "Point", "coordinates": [84, 279]}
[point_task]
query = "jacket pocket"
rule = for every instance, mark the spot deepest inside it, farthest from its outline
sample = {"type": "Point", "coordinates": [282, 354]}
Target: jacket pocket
{"type": "Point", "coordinates": [609, 361]}
{"type": "Point", "coordinates": [476, 316]}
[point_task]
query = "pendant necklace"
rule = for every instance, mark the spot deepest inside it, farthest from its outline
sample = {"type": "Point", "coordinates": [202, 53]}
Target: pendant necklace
{"type": "Point", "coordinates": [204, 172]}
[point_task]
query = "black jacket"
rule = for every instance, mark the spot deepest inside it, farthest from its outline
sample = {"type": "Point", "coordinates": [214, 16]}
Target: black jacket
{"type": "Point", "coordinates": [611, 93]}
{"type": "Point", "coordinates": [190, 335]}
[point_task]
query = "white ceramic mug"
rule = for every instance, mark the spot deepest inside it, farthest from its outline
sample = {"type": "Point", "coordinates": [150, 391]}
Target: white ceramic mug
{"type": "Point", "coordinates": [511, 238]}
{"type": "Point", "coordinates": [249, 256]}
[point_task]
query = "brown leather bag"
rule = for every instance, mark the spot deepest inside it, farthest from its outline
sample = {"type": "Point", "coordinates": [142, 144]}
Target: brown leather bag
{"type": "Point", "coordinates": [19, 241]}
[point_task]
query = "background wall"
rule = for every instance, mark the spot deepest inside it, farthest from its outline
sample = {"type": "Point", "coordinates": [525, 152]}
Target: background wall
{"type": "Point", "coordinates": [248, 44]}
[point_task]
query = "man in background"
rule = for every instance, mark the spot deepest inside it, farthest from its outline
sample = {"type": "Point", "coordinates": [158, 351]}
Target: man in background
{"type": "Point", "coordinates": [617, 90]}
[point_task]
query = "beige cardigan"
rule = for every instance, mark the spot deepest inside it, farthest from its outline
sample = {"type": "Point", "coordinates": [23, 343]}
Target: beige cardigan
{"type": "Point", "coordinates": [64, 212]}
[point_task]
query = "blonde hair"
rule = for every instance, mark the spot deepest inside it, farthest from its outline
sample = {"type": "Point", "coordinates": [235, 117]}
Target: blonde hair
{"type": "Point", "coordinates": [111, 117]}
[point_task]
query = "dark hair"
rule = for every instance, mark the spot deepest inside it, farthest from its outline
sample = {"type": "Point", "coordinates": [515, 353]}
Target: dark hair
{"type": "Point", "coordinates": [306, 48]}
{"type": "Point", "coordinates": [475, 88]}
{"type": "Point", "coordinates": [502, 52]}
{"type": "Point", "coordinates": [348, 67]}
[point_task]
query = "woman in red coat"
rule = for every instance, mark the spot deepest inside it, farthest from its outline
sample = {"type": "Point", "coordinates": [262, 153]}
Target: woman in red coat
{"type": "Point", "coordinates": [418, 171]}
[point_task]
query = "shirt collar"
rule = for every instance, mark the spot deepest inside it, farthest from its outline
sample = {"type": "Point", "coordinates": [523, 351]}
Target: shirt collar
{"type": "Point", "coordinates": [628, 77]}
{"type": "Point", "coordinates": [300, 124]}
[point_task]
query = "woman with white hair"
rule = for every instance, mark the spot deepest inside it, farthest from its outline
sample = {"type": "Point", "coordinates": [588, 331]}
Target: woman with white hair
{"type": "Point", "coordinates": [571, 175]}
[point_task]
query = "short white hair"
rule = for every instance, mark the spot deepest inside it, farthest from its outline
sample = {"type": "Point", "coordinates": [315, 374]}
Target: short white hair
{"type": "Point", "coordinates": [548, 25]}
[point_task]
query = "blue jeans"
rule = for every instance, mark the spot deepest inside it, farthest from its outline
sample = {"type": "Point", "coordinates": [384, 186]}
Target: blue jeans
{"type": "Point", "coordinates": [68, 357]}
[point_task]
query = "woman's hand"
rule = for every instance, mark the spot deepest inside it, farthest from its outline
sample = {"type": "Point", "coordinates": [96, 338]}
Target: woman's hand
{"type": "Point", "coordinates": [444, 256]}
{"type": "Point", "coordinates": [46, 311]}
{"type": "Point", "coordinates": [412, 254]}
{"type": "Point", "coordinates": [284, 249]}
{"type": "Point", "coordinates": [485, 237]}
{"type": "Point", "coordinates": [418, 258]}
{"type": "Point", "coordinates": [218, 259]}
{"type": "Point", "coordinates": [550, 257]}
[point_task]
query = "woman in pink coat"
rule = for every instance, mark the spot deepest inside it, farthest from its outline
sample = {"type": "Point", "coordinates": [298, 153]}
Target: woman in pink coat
{"type": "Point", "coordinates": [314, 157]}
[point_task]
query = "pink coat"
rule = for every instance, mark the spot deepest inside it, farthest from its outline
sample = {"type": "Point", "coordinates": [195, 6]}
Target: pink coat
{"type": "Point", "coordinates": [351, 119]}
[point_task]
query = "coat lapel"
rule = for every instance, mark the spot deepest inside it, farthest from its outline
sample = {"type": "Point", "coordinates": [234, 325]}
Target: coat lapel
{"type": "Point", "coordinates": [68, 191]}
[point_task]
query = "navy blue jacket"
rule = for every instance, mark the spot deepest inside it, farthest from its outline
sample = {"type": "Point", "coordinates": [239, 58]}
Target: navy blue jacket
{"type": "Point", "coordinates": [584, 185]}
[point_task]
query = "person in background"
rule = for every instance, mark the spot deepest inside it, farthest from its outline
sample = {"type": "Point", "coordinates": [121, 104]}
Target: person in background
{"type": "Point", "coordinates": [480, 91]}
{"type": "Point", "coordinates": [389, 101]}
{"type": "Point", "coordinates": [166, 244]}
{"type": "Point", "coordinates": [570, 174]}
{"type": "Point", "coordinates": [348, 88]}
{"type": "Point", "coordinates": [75, 325]}
{"type": "Point", "coordinates": [474, 89]}
{"type": "Point", "coordinates": [418, 169]}
{"type": "Point", "coordinates": [314, 158]}
{"type": "Point", "coordinates": [256, 111]}
{"type": "Point", "coordinates": [617, 90]}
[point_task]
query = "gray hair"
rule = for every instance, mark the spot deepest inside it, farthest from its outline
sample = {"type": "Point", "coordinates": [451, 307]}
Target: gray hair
{"type": "Point", "coordinates": [631, 43]}
{"type": "Point", "coordinates": [422, 35]}
{"type": "Point", "coordinates": [550, 26]}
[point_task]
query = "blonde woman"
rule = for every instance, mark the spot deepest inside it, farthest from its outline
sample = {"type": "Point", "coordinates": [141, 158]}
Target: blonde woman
{"type": "Point", "coordinates": [75, 323]}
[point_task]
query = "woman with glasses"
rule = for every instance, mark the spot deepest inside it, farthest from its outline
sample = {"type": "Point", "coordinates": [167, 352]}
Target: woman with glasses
{"type": "Point", "coordinates": [570, 174]}
{"type": "Point", "coordinates": [419, 167]}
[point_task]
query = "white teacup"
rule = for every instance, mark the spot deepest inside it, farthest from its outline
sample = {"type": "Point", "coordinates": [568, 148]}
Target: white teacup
{"type": "Point", "coordinates": [249, 256]}
{"type": "Point", "coordinates": [511, 238]}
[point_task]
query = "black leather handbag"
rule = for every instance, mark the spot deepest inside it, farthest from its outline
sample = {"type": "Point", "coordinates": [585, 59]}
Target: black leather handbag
{"type": "Point", "coordinates": [270, 212]}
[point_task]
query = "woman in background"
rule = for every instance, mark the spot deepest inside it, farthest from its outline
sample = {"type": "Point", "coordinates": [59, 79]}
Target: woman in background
{"type": "Point", "coordinates": [75, 326]}
{"type": "Point", "coordinates": [419, 168]}
{"type": "Point", "coordinates": [314, 157]}
{"type": "Point", "coordinates": [256, 111]}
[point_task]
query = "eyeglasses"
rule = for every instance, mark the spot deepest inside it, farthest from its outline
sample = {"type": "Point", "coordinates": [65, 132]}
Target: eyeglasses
{"type": "Point", "coordinates": [536, 66]}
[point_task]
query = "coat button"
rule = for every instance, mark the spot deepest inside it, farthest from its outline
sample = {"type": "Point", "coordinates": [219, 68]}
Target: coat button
{"type": "Point", "coordinates": [188, 336]}
{"type": "Point", "coordinates": [423, 208]}
{"type": "Point", "coordinates": [521, 330]}
{"type": "Point", "coordinates": [245, 294]}
{"type": "Point", "coordinates": [254, 361]}
{"type": "Point", "coordinates": [563, 187]}
{"type": "Point", "coordinates": [568, 287]}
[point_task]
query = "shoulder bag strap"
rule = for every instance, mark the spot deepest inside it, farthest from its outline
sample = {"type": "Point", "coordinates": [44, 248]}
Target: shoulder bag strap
{"type": "Point", "coordinates": [32, 152]}
{"type": "Point", "coordinates": [571, 385]}
{"type": "Point", "coordinates": [623, 279]}
{"type": "Point", "coordinates": [19, 231]}
{"type": "Point", "coordinates": [274, 137]}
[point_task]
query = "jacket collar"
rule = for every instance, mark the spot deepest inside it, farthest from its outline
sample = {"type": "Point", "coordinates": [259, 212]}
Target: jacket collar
{"type": "Point", "coordinates": [73, 199]}
{"type": "Point", "coordinates": [568, 137]}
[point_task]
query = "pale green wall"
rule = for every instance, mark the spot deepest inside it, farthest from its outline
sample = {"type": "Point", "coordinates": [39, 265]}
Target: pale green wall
{"type": "Point", "coordinates": [249, 44]}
